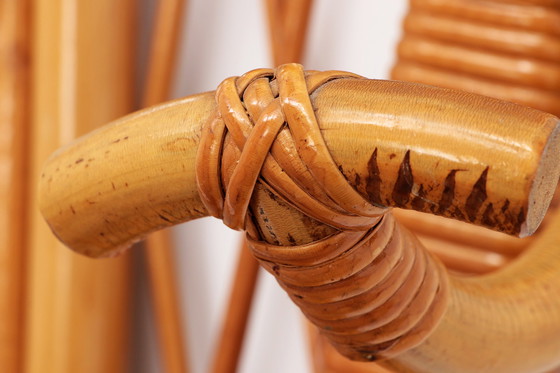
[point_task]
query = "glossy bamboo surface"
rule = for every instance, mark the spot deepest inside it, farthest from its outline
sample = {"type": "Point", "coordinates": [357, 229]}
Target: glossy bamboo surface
{"type": "Point", "coordinates": [78, 309]}
{"type": "Point", "coordinates": [472, 182]}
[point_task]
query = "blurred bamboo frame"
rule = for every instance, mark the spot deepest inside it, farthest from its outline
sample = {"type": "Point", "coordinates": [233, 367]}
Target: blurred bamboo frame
{"type": "Point", "coordinates": [287, 25]}
{"type": "Point", "coordinates": [14, 126]}
{"type": "Point", "coordinates": [78, 309]}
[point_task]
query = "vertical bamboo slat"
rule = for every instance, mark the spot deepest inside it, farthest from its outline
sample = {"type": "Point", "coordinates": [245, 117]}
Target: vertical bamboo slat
{"type": "Point", "coordinates": [14, 126]}
{"type": "Point", "coordinates": [78, 310]}
{"type": "Point", "coordinates": [163, 283]}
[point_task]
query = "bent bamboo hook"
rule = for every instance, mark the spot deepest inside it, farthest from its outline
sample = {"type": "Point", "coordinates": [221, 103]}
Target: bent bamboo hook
{"type": "Point", "coordinates": [309, 164]}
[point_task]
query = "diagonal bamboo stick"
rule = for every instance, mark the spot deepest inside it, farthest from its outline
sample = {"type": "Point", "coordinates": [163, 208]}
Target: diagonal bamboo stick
{"type": "Point", "coordinates": [160, 263]}
{"type": "Point", "coordinates": [288, 22]}
{"type": "Point", "coordinates": [77, 316]}
{"type": "Point", "coordinates": [14, 125]}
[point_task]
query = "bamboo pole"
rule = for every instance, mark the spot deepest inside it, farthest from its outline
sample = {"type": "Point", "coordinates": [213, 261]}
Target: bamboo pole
{"type": "Point", "coordinates": [287, 24]}
{"type": "Point", "coordinates": [160, 262]}
{"type": "Point", "coordinates": [78, 309]}
{"type": "Point", "coordinates": [14, 125]}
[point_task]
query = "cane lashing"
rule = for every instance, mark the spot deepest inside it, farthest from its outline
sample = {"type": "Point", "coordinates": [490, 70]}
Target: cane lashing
{"type": "Point", "coordinates": [370, 287]}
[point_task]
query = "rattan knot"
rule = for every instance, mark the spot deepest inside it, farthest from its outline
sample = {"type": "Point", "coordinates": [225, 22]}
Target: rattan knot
{"type": "Point", "coordinates": [252, 112]}
{"type": "Point", "coordinates": [371, 287]}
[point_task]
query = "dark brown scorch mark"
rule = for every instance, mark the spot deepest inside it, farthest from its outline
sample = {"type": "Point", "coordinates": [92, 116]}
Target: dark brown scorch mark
{"type": "Point", "coordinates": [448, 193]}
{"type": "Point", "coordinates": [420, 199]}
{"type": "Point", "coordinates": [488, 217]}
{"type": "Point", "coordinates": [405, 181]}
{"type": "Point", "coordinates": [520, 220]}
{"type": "Point", "coordinates": [373, 180]}
{"type": "Point", "coordinates": [477, 197]}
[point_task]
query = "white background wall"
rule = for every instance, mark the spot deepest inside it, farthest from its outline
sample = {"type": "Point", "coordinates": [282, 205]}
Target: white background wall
{"type": "Point", "coordinates": [224, 38]}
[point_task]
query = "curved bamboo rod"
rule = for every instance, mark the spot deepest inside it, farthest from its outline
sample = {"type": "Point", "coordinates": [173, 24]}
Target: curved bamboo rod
{"type": "Point", "coordinates": [398, 144]}
{"type": "Point", "coordinates": [78, 312]}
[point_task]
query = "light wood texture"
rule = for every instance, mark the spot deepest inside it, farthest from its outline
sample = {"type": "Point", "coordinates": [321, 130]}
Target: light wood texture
{"type": "Point", "coordinates": [130, 168]}
{"type": "Point", "coordinates": [160, 262]}
{"type": "Point", "coordinates": [487, 167]}
{"type": "Point", "coordinates": [15, 28]}
{"type": "Point", "coordinates": [121, 163]}
{"type": "Point", "coordinates": [78, 309]}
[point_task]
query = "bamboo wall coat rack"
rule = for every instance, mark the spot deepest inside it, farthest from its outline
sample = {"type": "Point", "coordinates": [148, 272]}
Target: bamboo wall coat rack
{"type": "Point", "coordinates": [310, 164]}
